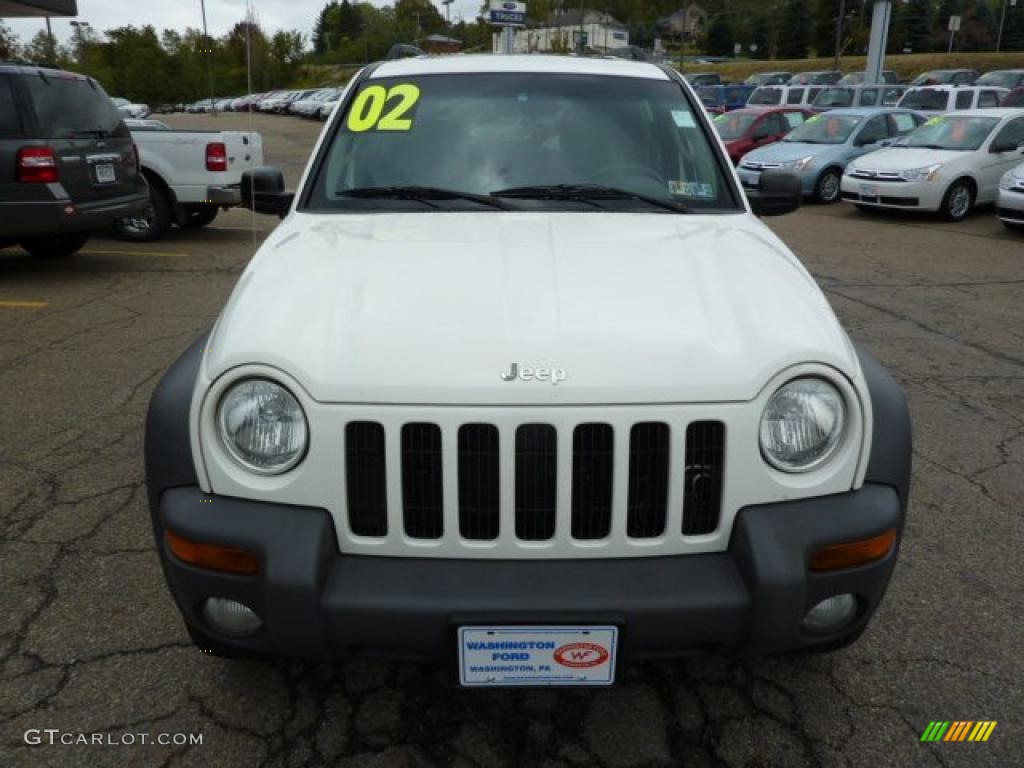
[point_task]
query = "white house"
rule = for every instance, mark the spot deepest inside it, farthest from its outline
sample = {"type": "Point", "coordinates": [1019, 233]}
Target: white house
{"type": "Point", "coordinates": [561, 31]}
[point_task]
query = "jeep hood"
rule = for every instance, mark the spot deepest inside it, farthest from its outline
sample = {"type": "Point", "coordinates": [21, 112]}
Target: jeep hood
{"type": "Point", "coordinates": [433, 307]}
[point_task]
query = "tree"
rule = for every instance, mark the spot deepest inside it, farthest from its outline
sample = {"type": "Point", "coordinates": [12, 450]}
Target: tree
{"type": "Point", "coordinates": [10, 46]}
{"type": "Point", "coordinates": [796, 28]}
{"type": "Point", "coordinates": [823, 32]}
{"type": "Point", "coordinates": [720, 37]}
{"type": "Point", "coordinates": [917, 26]}
{"type": "Point", "coordinates": [42, 49]}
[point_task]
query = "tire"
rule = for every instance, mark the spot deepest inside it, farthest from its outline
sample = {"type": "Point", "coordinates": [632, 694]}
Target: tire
{"type": "Point", "coordinates": [828, 189]}
{"type": "Point", "coordinates": [198, 216]}
{"type": "Point", "coordinates": [958, 200]}
{"type": "Point", "coordinates": [54, 246]}
{"type": "Point", "coordinates": [150, 224]}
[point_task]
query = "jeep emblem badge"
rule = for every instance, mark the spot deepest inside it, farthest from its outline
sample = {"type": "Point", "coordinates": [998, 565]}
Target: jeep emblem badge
{"type": "Point", "coordinates": [552, 375]}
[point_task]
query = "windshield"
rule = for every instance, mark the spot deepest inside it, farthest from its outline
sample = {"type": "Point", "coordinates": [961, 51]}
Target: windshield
{"type": "Point", "coordinates": [481, 134]}
{"type": "Point", "coordinates": [935, 76]}
{"type": "Point", "coordinates": [1015, 99]}
{"type": "Point", "coordinates": [945, 132]}
{"type": "Point", "coordinates": [825, 129]}
{"type": "Point", "coordinates": [765, 95]}
{"type": "Point", "coordinates": [70, 106]}
{"type": "Point", "coordinates": [835, 97]}
{"type": "Point", "coordinates": [925, 98]}
{"type": "Point", "coordinates": [1001, 79]}
{"type": "Point", "coordinates": [733, 125]}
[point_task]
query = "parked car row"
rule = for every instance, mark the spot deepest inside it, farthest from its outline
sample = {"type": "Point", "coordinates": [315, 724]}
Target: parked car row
{"type": "Point", "coordinates": [935, 91]}
{"type": "Point", "coordinates": [314, 103]}
{"type": "Point", "coordinates": [889, 157]}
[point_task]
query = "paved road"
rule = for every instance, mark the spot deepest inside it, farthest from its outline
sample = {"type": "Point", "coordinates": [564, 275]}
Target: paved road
{"type": "Point", "coordinates": [90, 640]}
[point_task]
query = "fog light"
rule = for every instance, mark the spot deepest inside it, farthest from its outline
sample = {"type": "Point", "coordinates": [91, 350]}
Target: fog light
{"type": "Point", "coordinates": [230, 617]}
{"type": "Point", "coordinates": [831, 614]}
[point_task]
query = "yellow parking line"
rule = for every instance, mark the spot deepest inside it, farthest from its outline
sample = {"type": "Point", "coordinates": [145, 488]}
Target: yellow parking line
{"type": "Point", "coordinates": [23, 304]}
{"type": "Point", "coordinates": [132, 253]}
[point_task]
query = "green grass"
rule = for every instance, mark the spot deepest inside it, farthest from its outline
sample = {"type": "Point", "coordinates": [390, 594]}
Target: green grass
{"type": "Point", "coordinates": [907, 66]}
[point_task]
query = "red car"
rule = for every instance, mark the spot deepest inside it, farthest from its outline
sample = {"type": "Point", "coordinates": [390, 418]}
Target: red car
{"type": "Point", "coordinates": [1014, 98]}
{"type": "Point", "coordinates": [746, 129]}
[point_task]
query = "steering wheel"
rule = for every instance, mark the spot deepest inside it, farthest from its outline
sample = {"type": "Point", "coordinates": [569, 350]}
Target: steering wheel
{"type": "Point", "coordinates": [634, 168]}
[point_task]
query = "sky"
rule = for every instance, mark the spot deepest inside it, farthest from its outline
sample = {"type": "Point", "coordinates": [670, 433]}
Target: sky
{"type": "Point", "coordinates": [221, 15]}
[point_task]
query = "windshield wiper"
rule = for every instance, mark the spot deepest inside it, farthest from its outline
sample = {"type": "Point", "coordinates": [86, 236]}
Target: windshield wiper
{"type": "Point", "coordinates": [588, 193]}
{"type": "Point", "coordinates": [927, 146]}
{"type": "Point", "coordinates": [423, 194]}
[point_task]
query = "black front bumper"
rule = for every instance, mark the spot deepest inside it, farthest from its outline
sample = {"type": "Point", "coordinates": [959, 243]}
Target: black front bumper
{"type": "Point", "coordinates": [318, 603]}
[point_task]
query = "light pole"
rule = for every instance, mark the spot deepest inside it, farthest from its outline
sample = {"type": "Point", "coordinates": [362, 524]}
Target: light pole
{"type": "Point", "coordinates": [839, 33]}
{"type": "Point", "coordinates": [1002, 21]}
{"type": "Point", "coordinates": [209, 57]}
{"type": "Point", "coordinates": [79, 37]}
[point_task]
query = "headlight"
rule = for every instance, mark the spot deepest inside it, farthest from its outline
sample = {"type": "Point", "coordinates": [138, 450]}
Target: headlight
{"type": "Point", "coordinates": [928, 173]}
{"type": "Point", "coordinates": [262, 426]}
{"type": "Point", "coordinates": [802, 424]}
{"type": "Point", "coordinates": [1011, 179]}
{"type": "Point", "coordinates": [798, 165]}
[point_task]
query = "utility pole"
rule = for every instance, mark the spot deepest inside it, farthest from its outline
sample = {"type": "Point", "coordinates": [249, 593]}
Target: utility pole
{"type": "Point", "coordinates": [1002, 22]}
{"type": "Point", "coordinates": [209, 56]}
{"type": "Point", "coordinates": [839, 33]}
{"type": "Point", "coordinates": [53, 45]}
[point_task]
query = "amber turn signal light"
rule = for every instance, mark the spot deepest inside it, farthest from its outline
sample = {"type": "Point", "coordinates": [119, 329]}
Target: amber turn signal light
{"type": "Point", "coordinates": [212, 556]}
{"type": "Point", "coordinates": [853, 553]}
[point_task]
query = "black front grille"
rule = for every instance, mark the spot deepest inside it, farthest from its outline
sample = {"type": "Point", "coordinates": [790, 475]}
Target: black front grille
{"type": "Point", "coordinates": [702, 496]}
{"type": "Point", "coordinates": [593, 447]}
{"type": "Point", "coordinates": [365, 479]}
{"type": "Point", "coordinates": [536, 481]}
{"type": "Point", "coordinates": [423, 515]}
{"type": "Point", "coordinates": [478, 482]}
{"type": "Point", "coordinates": [648, 480]}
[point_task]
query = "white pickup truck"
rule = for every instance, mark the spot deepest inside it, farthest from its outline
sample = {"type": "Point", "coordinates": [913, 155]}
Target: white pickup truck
{"type": "Point", "coordinates": [191, 175]}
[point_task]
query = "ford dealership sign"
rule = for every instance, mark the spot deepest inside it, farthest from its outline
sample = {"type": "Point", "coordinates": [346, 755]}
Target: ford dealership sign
{"type": "Point", "coordinates": [507, 13]}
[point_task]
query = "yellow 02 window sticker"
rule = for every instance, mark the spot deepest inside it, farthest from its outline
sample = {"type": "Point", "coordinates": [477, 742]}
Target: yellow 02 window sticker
{"type": "Point", "coordinates": [383, 109]}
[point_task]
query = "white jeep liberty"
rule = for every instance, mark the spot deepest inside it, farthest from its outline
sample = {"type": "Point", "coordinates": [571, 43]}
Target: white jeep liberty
{"type": "Point", "coordinates": [521, 384]}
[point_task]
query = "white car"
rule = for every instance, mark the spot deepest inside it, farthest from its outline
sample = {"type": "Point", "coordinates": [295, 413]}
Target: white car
{"type": "Point", "coordinates": [130, 110]}
{"type": "Point", "coordinates": [192, 176]}
{"type": "Point", "coordinates": [1011, 199]}
{"type": "Point", "coordinates": [950, 164]}
{"type": "Point", "coordinates": [522, 383]}
{"type": "Point", "coordinates": [784, 95]}
{"type": "Point", "coordinates": [936, 99]}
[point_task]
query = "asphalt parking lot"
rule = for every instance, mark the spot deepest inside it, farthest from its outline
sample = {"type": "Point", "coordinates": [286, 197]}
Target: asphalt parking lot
{"type": "Point", "coordinates": [90, 640]}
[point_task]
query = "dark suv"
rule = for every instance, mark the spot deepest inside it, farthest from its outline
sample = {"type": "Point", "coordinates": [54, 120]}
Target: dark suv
{"type": "Point", "coordinates": [68, 166]}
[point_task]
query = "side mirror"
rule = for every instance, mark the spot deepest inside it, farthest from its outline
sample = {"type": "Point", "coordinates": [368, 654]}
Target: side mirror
{"type": "Point", "coordinates": [777, 193]}
{"type": "Point", "coordinates": [263, 192]}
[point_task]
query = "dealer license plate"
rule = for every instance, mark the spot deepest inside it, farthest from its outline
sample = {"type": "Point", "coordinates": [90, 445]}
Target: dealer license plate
{"type": "Point", "coordinates": [105, 173]}
{"type": "Point", "coordinates": [509, 656]}
{"type": "Point", "coordinates": [868, 191]}
{"type": "Point", "coordinates": [749, 179]}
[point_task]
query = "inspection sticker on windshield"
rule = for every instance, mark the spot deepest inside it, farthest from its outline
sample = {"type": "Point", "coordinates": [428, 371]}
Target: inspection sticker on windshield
{"type": "Point", "coordinates": [691, 189]}
{"type": "Point", "coordinates": [509, 656]}
{"type": "Point", "coordinates": [935, 120]}
{"type": "Point", "coordinates": [683, 118]}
